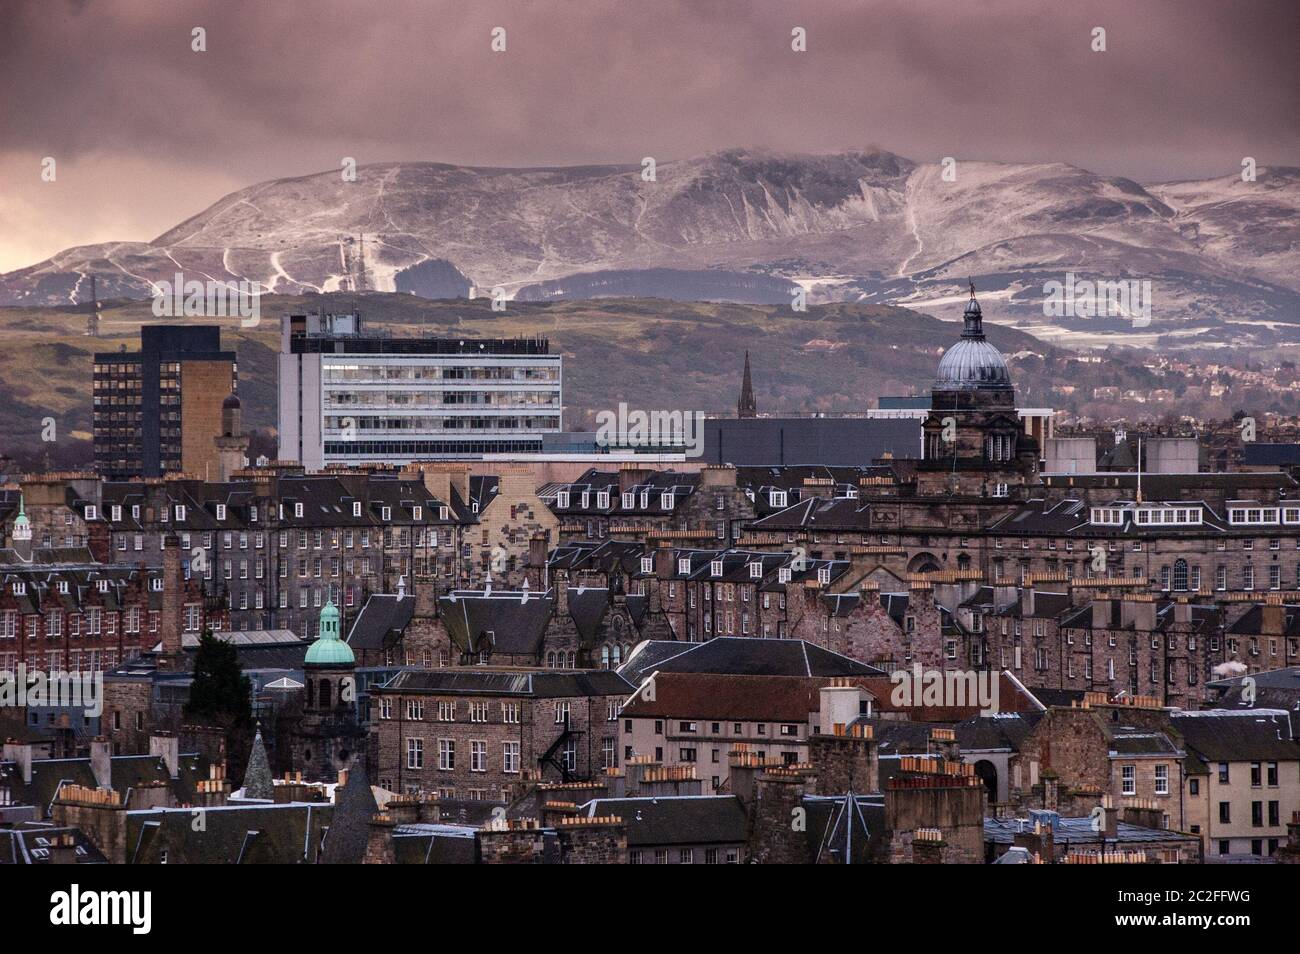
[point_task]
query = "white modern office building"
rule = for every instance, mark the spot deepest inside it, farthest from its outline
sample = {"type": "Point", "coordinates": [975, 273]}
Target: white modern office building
{"type": "Point", "coordinates": [349, 396]}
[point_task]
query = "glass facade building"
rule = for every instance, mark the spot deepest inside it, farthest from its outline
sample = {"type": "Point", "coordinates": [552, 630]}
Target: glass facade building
{"type": "Point", "coordinates": [351, 397]}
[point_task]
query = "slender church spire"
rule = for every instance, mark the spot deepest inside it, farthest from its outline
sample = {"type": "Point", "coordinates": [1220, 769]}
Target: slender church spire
{"type": "Point", "coordinates": [746, 406]}
{"type": "Point", "coordinates": [257, 777]}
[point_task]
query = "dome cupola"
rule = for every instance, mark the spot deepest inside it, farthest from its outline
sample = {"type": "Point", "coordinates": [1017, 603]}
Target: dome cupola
{"type": "Point", "coordinates": [972, 363]}
{"type": "Point", "coordinates": [329, 649]}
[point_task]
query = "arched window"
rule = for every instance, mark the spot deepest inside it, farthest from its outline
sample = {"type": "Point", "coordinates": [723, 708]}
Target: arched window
{"type": "Point", "coordinates": [618, 657]}
{"type": "Point", "coordinates": [324, 693]}
{"type": "Point", "coordinates": [550, 660]}
{"type": "Point", "coordinates": [1180, 574]}
{"type": "Point", "coordinates": [604, 657]}
{"type": "Point", "coordinates": [573, 659]}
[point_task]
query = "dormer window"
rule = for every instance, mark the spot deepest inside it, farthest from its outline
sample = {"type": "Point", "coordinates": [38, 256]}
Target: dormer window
{"type": "Point", "coordinates": [715, 568]}
{"type": "Point", "coordinates": [20, 589]}
{"type": "Point", "coordinates": [116, 513]}
{"type": "Point", "coordinates": [221, 511]}
{"type": "Point", "coordinates": [562, 500]}
{"type": "Point", "coordinates": [647, 565]}
{"type": "Point", "coordinates": [156, 584]}
{"type": "Point", "coordinates": [777, 497]}
{"type": "Point", "coordinates": [666, 501]}
{"type": "Point", "coordinates": [629, 501]}
{"type": "Point", "coordinates": [135, 512]}
{"type": "Point", "coordinates": [585, 500]}
{"type": "Point", "coordinates": [756, 570]}
{"type": "Point", "coordinates": [602, 500]}
{"type": "Point", "coordinates": [103, 586]}
{"type": "Point", "coordinates": [92, 512]}
{"type": "Point", "coordinates": [356, 508]}
{"type": "Point", "coordinates": [684, 565]}
{"type": "Point", "coordinates": [386, 514]}
{"type": "Point", "coordinates": [824, 576]}
{"type": "Point", "coordinates": [297, 510]}
{"type": "Point", "coordinates": [442, 513]}
{"type": "Point", "coordinates": [417, 512]}
{"type": "Point", "coordinates": [62, 587]}
{"type": "Point", "coordinates": [252, 514]}
{"type": "Point", "coordinates": [645, 499]}
{"type": "Point", "coordinates": [783, 575]}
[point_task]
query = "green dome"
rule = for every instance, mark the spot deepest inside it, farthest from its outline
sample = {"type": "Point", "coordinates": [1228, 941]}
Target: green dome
{"type": "Point", "coordinates": [329, 650]}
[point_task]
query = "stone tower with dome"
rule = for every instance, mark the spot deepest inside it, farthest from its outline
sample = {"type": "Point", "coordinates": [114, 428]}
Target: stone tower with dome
{"type": "Point", "coordinates": [329, 738]}
{"type": "Point", "coordinates": [974, 443]}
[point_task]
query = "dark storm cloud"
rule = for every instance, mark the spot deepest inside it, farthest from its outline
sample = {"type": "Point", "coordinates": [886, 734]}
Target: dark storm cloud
{"type": "Point", "coordinates": [1185, 88]}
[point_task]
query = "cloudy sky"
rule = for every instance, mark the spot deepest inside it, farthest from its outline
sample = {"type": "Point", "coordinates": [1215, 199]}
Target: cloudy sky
{"type": "Point", "coordinates": [147, 132]}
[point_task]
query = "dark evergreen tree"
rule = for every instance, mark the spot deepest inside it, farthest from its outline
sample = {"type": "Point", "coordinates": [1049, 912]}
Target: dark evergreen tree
{"type": "Point", "coordinates": [220, 694]}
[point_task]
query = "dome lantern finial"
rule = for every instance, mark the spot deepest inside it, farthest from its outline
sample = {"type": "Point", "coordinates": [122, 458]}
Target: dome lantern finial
{"type": "Point", "coordinates": [972, 363]}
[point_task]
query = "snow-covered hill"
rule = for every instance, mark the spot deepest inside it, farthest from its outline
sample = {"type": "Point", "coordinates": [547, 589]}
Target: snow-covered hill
{"type": "Point", "coordinates": [1221, 254]}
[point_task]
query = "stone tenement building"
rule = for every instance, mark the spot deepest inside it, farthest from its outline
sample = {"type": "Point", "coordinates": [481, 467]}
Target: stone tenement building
{"type": "Point", "coordinates": [60, 609]}
{"type": "Point", "coordinates": [277, 544]}
{"type": "Point", "coordinates": [470, 733]}
{"type": "Point", "coordinates": [635, 501]}
{"type": "Point", "coordinates": [594, 602]}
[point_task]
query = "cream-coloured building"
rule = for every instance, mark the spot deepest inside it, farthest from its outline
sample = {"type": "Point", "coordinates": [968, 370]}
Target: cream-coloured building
{"type": "Point", "coordinates": [1243, 779]}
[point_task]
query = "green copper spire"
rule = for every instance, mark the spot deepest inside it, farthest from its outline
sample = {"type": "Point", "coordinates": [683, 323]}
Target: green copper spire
{"type": "Point", "coordinates": [22, 526]}
{"type": "Point", "coordinates": [329, 649]}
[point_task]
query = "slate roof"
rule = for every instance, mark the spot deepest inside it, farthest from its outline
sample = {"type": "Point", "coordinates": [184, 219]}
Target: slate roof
{"type": "Point", "coordinates": [288, 833]}
{"type": "Point", "coordinates": [587, 608]}
{"type": "Point", "coordinates": [828, 441]}
{"type": "Point", "coordinates": [1000, 732]}
{"type": "Point", "coordinates": [381, 621]}
{"type": "Point", "coordinates": [504, 622]}
{"type": "Point", "coordinates": [349, 827]}
{"type": "Point", "coordinates": [1079, 831]}
{"type": "Point", "coordinates": [1251, 622]}
{"type": "Point", "coordinates": [823, 513]}
{"type": "Point", "coordinates": [31, 846]}
{"type": "Point", "coordinates": [435, 844]}
{"type": "Point", "coordinates": [1135, 743]}
{"type": "Point", "coordinates": [126, 772]}
{"type": "Point", "coordinates": [898, 736]}
{"type": "Point", "coordinates": [327, 501]}
{"type": "Point", "coordinates": [741, 656]}
{"type": "Point", "coordinates": [544, 683]}
{"type": "Point", "coordinates": [676, 820]}
{"type": "Point", "coordinates": [1255, 454]}
{"type": "Point", "coordinates": [1238, 735]}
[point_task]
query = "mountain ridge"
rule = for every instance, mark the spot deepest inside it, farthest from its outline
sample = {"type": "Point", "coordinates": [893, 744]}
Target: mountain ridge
{"type": "Point", "coordinates": [1223, 256]}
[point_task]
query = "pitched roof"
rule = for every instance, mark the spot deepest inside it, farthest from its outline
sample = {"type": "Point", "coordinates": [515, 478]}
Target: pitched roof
{"type": "Point", "coordinates": [476, 680]}
{"type": "Point", "coordinates": [676, 820]}
{"type": "Point", "coordinates": [288, 833]}
{"type": "Point", "coordinates": [382, 618]}
{"type": "Point", "coordinates": [742, 656]}
{"type": "Point", "coordinates": [504, 622]}
{"type": "Point", "coordinates": [1237, 735]}
{"type": "Point", "coordinates": [349, 828]}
